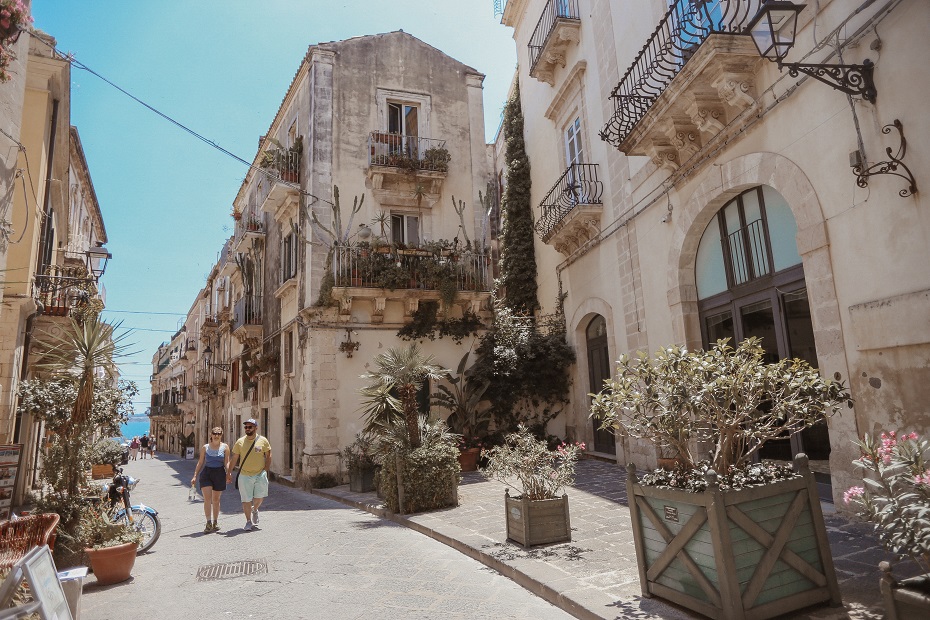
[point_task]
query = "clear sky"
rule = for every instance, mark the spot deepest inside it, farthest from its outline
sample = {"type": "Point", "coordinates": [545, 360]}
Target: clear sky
{"type": "Point", "coordinates": [220, 67]}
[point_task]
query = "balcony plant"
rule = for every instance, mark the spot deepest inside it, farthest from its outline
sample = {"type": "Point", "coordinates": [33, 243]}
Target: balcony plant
{"type": "Point", "coordinates": [730, 402]}
{"type": "Point", "coordinates": [437, 159]}
{"type": "Point", "coordinates": [538, 515]}
{"type": "Point", "coordinates": [895, 497]}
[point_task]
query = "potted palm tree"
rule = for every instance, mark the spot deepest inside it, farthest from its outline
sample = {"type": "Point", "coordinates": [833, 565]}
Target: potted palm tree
{"type": "Point", "coordinates": [419, 466]}
{"type": "Point", "coordinates": [759, 525]}
{"type": "Point", "coordinates": [538, 515]}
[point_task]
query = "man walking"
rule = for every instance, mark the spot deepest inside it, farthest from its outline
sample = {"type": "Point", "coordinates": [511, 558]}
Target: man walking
{"type": "Point", "coordinates": [144, 444]}
{"type": "Point", "coordinates": [252, 454]}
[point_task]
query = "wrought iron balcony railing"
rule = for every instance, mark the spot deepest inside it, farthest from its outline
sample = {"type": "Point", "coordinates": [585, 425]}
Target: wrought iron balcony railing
{"type": "Point", "coordinates": [248, 311]}
{"type": "Point", "coordinates": [62, 288]}
{"type": "Point", "coordinates": [362, 267]}
{"type": "Point", "coordinates": [554, 11]}
{"type": "Point", "coordinates": [685, 26]}
{"type": "Point", "coordinates": [499, 7]}
{"type": "Point", "coordinates": [578, 185]}
{"type": "Point", "coordinates": [410, 153]}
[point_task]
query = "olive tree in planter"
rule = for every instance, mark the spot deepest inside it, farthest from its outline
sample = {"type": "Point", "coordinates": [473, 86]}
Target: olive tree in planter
{"type": "Point", "coordinates": [539, 515]}
{"type": "Point", "coordinates": [725, 537]}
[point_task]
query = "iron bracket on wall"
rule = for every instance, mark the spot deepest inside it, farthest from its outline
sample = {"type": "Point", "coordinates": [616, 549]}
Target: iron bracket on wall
{"type": "Point", "coordinates": [850, 79]}
{"type": "Point", "coordinates": [863, 172]}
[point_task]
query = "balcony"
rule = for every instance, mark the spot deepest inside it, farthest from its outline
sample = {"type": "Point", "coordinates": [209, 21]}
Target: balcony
{"type": "Point", "coordinates": [436, 271]}
{"type": "Point", "coordinates": [570, 214]}
{"type": "Point", "coordinates": [397, 164]}
{"type": "Point", "coordinates": [279, 190]}
{"type": "Point", "coordinates": [62, 289]}
{"type": "Point", "coordinates": [692, 80]}
{"type": "Point", "coordinates": [558, 28]}
{"type": "Point", "coordinates": [247, 318]}
{"type": "Point", "coordinates": [249, 226]}
{"type": "Point", "coordinates": [210, 380]}
{"type": "Point", "coordinates": [170, 409]}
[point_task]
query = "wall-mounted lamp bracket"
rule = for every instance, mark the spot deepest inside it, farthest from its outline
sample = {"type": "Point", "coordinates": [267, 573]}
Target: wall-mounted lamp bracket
{"type": "Point", "coordinates": [888, 167]}
{"type": "Point", "coordinates": [850, 79]}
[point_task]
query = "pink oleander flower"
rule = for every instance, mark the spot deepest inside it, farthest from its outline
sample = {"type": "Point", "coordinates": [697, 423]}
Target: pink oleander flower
{"type": "Point", "coordinates": [853, 492]}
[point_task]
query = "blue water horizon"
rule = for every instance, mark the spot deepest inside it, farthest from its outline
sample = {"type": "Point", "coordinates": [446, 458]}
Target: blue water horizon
{"type": "Point", "coordinates": [137, 425]}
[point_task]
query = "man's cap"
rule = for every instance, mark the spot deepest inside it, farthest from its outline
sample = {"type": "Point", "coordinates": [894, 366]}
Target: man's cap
{"type": "Point", "coordinates": [251, 421]}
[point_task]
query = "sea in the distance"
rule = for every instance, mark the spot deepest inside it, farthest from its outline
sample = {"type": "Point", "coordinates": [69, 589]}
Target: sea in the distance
{"type": "Point", "coordinates": [136, 425]}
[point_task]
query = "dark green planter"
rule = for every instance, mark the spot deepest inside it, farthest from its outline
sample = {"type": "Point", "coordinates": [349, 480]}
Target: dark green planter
{"type": "Point", "coordinates": [908, 599]}
{"type": "Point", "coordinates": [754, 553]}
{"type": "Point", "coordinates": [362, 479]}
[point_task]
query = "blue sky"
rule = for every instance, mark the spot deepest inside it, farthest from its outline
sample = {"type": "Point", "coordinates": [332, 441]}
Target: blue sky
{"type": "Point", "coordinates": [220, 68]}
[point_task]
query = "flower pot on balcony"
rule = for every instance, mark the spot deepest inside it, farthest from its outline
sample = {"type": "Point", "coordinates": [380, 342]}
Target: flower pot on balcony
{"type": "Point", "coordinates": [289, 176]}
{"type": "Point", "coordinates": [112, 564]}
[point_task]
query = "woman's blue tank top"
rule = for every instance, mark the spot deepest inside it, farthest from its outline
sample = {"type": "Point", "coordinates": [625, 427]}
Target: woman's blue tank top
{"type": "Point", "coordinates": [216, 458]}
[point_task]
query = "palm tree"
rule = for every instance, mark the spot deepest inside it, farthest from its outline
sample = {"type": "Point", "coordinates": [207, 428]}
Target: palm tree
{"type": "Point", "coordinates": [81, 352]}
{"type": "Point", "coordinates": [402, 371]}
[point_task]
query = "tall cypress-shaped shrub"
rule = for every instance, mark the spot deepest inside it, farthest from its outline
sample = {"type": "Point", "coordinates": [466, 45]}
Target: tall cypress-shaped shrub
{"type": "Point", "coordinates": [518, 259]}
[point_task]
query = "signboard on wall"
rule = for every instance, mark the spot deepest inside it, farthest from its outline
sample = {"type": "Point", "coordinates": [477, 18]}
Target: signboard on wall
{"type": "Point", "coordinates": [10, 458]}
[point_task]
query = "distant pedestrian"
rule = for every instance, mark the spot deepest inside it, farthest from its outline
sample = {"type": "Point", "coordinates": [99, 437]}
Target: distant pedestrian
{"type": "Point", "coordinates": [134, 446]}
{"type": "Point", "coordinates": [252, 455]}
{"type": "Point", "coordinates": [144, 445]}
{"type": "Point", "coordinates": [152, 443]}
{"type": "Point", "coordinates": [214, 459]}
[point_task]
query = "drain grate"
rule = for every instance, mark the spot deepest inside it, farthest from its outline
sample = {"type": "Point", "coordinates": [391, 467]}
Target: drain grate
{"type": "Point", "coordinates": [231, 570]}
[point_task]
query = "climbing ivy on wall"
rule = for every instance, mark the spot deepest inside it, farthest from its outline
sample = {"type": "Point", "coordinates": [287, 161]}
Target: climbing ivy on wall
{"type": "Point", "coordinates": [518, 259]}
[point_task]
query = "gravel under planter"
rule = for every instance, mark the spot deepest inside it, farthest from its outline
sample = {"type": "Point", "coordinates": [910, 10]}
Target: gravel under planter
{"type": "Point", "coordinates": [754, 553]}
{"type": "Point", "coordinates": [538, 521]}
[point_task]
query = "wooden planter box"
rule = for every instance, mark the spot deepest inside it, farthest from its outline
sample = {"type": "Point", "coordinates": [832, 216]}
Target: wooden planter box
{"type": "Point", "coordinates": [754, 553]}
{"type": "Point", "coordinates": [537, 522]}
{"type": "Point", "coordinates": [98, 472]}
{"type": "Point", "coordinates": [908, 599]}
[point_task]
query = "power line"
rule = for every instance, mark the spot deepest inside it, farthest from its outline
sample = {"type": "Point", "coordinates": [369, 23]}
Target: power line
{"type": "Point", "coordinates": [78, 64]}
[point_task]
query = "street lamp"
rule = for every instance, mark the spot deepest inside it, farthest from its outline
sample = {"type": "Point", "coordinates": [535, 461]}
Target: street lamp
{"type": "Point", "coordinates": [773, 30]}
{"type": "Point", "coordinates": [208, 358]}
{"type": "Point", "coordinates": [97, 258]}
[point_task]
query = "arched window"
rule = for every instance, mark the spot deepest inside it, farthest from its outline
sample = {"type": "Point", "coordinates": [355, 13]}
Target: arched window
{"type": "Point", "coordinates": [750, 282]}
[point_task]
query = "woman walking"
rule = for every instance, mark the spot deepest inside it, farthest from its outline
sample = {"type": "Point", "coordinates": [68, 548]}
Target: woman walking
{"type": "Point", "coordinates": [214, 460]}
{"type": "Point", "coordinates": [134, 447]}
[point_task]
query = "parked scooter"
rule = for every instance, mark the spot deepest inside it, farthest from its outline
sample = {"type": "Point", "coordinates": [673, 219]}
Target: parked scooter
{"type": "Point", "coordinates": [140, 517]}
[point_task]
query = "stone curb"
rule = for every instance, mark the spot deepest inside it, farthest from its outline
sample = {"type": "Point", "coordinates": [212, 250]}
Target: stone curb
{"type": "Point", "coordinates": [561, 600]}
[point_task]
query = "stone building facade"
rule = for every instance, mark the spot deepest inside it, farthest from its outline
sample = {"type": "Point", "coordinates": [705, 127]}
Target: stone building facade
{"type": "Point", "coordinates": [689, 190]}
{"type": "Point", "coordinates": [306, 293]}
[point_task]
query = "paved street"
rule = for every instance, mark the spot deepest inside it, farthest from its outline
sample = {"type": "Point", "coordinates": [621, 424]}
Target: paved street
{"type": "Point", "coordinates": [349, 559]}
{"type": "Point", "coordinates": [324, 560]}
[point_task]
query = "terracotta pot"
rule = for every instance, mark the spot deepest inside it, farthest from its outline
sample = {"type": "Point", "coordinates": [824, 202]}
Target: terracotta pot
{"type": "Point", "coordinates": [468, 459]}
{"type": "Point", "coordinates": [112, 564]}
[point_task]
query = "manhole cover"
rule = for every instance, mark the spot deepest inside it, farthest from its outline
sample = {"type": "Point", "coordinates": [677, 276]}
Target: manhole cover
{"type": "Point", "coordinates": [231, 570]}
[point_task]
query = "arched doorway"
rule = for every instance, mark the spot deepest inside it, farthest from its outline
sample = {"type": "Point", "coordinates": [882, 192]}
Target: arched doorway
{"type": "Point", "coordinates": [750, 283]}
{"type": "Point", "coordinates": [598, 371]}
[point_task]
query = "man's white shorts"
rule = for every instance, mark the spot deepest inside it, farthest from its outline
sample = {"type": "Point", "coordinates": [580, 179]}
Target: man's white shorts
{"type": "Point", "coordinates": [251, 487]}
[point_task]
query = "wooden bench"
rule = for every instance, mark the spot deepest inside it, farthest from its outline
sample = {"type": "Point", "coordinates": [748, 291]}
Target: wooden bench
{"type": "Point", "coordinates": [19, 536]}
